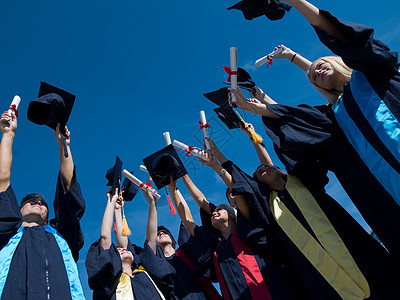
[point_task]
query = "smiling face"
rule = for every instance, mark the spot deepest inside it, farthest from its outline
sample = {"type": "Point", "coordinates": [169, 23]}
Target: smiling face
{"type": "Point", "coordinates": [271, 176]}
{"type": "Point", "coordinates": [35, 209]}
{"type": "Point", "coordinates": [219, 215]}
{"type": "Point", "coordinates": [324, 75]}
{"type": "Point", "coordinates": [126, 256]}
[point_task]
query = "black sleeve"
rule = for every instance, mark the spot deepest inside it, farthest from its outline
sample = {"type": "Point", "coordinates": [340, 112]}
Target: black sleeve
{"type": "Point", "coordinates": [204, 245]}
{"type": "Point", "coordinates": [69, 208]}
{"type": "Point", "coordinates": [185, 239]}
{"type": "Point", "coordinates": [159, 269]}
{"type": "Point", "coordinates": [10, 216]}
{"type": "Point", "coordinates": [360, 51]}
{"type": "Point", "coordinates": [104, 268]}
{"type": "Point", "coordinates": [302, 126]}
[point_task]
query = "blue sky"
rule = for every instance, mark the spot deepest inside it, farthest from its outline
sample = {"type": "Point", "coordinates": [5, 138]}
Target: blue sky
{"type": "Point", "coordinates": [139, 69]}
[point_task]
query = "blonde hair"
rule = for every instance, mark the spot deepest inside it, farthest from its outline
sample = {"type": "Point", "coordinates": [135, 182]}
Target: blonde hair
{"type": "Point", "coordinates": [338, 64]}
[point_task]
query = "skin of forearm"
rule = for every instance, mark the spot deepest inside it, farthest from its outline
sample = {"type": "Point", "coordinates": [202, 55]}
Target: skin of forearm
{"type": "Point", "coordinates": [196, 194]}
{"type": "Point", "coordinates": [183, 211]}
{"type": "Point", "coordinates": [227, 178]}
{"type": "Point", "coordinates": [262, 154]}
{"type": "Point", "coordinates": [6, 158]}
{"type": "Point", "coordinates": [106, 225]}
{"type": "Point", "coordinates": [66, 166]}
{"type": "Point", "coordinates": [122, 241]}
{"type": "Point", "coordinates": [262, 110]}
{"type": "Point", "coordinates": [151, 232]}
{"type": "Point", "coordinates": [302, 62]}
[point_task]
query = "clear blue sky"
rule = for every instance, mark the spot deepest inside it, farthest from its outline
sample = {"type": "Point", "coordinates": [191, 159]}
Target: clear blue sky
{"type": "Point", "coordinates": [139, 69]}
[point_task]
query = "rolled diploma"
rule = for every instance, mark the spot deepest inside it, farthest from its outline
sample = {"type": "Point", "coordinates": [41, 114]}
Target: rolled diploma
{"type": "Point", "coordinates": [195, 152]}
{"type": "Point", "coordinates": [205, 130]}
{"type": "Point", "coordinates": [167, 138]}
{"type": "Point", "coordinates": [16, 100]}
{"type": "Point", "coordinates": [138, 183]}
{"type": "Point", "coordinates": [266, 58]}
{"type": "Point", "coordinates": [233, 57]}
{"type": "Point", "coordinates": [143, 168]}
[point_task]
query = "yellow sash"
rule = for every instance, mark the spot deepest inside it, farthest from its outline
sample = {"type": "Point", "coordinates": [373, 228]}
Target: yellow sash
{"type": "Point", "coordinates": [124, 288]}
{"type": "Point", "coordinates": [333, 261]}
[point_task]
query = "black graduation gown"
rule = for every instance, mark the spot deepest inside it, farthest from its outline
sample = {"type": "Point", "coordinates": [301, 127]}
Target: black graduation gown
{"type": "Point", "coordinates": [314, 131]}
{"type": "Point", "coordinates": [104, 269]}
{"type": "Point", "coordinates": [266, 251]}
{"type": "Point", "coordinates": [186, 283]}
{"type": "Point", "coordinates": [37, 270]}
{"type": "Point", "coordinates": [299, 269]}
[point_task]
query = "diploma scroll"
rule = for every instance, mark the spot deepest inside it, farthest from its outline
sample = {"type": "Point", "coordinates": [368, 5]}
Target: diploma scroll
{"type": "Point", "coordinates": [189, 149]}
{"type": "Point", "coordinates": [143, 168]}
{"type": "Point", "coordinates": [140, 184]}
{"type": "Point", "coordinates": [268, 57]}
{"type": "Point", "coordinates": [233, 61]}
{"type": "Point", "coordinates": [13, 109]}
{"type": "Point", "coordinates": [167, 138]}
{"type": "Point", "coordinates": [204, 126]}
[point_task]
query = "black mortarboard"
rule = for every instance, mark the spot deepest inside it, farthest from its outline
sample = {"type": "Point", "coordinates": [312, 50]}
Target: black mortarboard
{"type": "Point", "coordinates": [244, 79]}
{"type": "Point", "coordinates": [272, 9]}
{"type": "Point", "coordinates": [53, 106]}
{"type": "Point", "coordinates": [219, 97]}
{"type": "Point", "coordinates": [163, 164]}
{"type": "Point", "coordinates": [228, 116]}
{"type": "Point", "coordinates": [129, 189]}
{"type": "Point", "coordinates": [114, 175]}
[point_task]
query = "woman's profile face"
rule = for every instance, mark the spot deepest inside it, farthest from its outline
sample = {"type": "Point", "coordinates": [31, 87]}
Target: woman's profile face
{"type": "Point", "coordinates": [323, 75]}
{"type": "Point", "coordinates": [126, 256]}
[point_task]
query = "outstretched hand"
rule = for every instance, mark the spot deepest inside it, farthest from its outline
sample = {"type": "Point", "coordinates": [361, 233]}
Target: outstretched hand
{"type": "Point", "coordinates": [116, 197]}
{"type": "Point", "coordinates": [246, 128]}
{"type": "Point", "coordinates": [241, 101]}
{"type": "Point", "coordinates": [11, 120]}
{"type": "Point", "coordinates": [286, 53]}
{"type": "Point", "coordinates": [149, 195]}
{"type": "Point", "coordinates": [60, 134]}
{"type": "Point", "coordinates": [172, 183]}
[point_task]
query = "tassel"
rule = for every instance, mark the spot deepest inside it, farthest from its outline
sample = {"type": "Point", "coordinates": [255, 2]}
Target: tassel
{"type": "Point", "coordinates": [125, 228]}
{"type": "Point", "coordinates": [115, 227]}
{"type": "Point", "coordinates": [171, 205]}
{"type": "Point", "coordinates": [254, 135]}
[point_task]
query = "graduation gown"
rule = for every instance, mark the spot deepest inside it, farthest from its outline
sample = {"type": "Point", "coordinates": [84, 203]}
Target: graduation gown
{"type": "Point", "coordinates": [369, 110]}
{"type": "Point", "coordinates": [371, 258]}
{"type": "Point", "coordinates": [313, 134]}
{"type": "Point", "coordinates": [38, 270]}
{"type": "Point", "coordinates": [249, 258]}
{"type": "Point", "coordinates": [104, 269]}
{"type": "Point", "coordinates": [186, 284]}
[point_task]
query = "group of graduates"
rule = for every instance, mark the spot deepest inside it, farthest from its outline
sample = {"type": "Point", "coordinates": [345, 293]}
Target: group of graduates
{"type": "Point", "coordinates": [279, 236]}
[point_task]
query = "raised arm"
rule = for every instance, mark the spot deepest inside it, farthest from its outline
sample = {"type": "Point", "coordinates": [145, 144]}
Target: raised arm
{"type": "Point", "coordinates": [182, 207]}
{"type": "Point", "coordinates": [151, 232]}
{"type": "Point", "coordinates": [122, 241]}
{"type": "Point", "coordinates": [107, 224]}
{"type": "Point", "coordinates": [66, 163]}
{"type": "Point", "coordinates": [6, 149]}
{"type": "Point", "coordinates": [254, 106]}
{"type": "Point", "coordinates": [313, 15]}
{"type": "Point", "coordinates": [300, 61]}
{"type": "Point", "coordinates": [196, 194]}
{"type": "Point", "coordinates": [262, 153]}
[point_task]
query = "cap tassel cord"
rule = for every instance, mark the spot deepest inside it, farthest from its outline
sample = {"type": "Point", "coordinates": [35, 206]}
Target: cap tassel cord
{"type": "Point", "coordinates": [171, 205]}
{"type": "Point", "coordinates": [125, 228]}
{"type": "Point", "coordinates": [254, 135]}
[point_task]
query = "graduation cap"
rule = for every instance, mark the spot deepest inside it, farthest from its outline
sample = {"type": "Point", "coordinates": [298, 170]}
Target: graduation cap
{"type": "Point", "coordinates": [244, 79]}
{"type": "Point", "coordinates": [114, 175]}
{"type": "Point", "coordinates": [129, 189]}
{"type": "Point", "coordinates": [163, 164]}
{"type": "Point", "coordinates": [272, 9]}
{"type": "Point", "coordinates": [228, 116]}
{"type": "Point", "coordinates": [219, 97]}
{"type": "Point", "coordinates": [52, 106]}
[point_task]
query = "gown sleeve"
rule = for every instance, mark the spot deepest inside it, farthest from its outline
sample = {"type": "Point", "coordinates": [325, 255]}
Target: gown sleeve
{"type": "Point", "coordinates": [10, 216]}
{"type": "Point", "coordinates": [361, 51]}
{"type": "Point", "coordinates": [160, 270]}
{"type": "Point", "coordinates": [104, 268]}
{"type": "Point", "coordinates": [302, 126]}
{"type": "Point", "coordinates": [185, 239]}
{"type": "Point", "coordinates": [69, 208]}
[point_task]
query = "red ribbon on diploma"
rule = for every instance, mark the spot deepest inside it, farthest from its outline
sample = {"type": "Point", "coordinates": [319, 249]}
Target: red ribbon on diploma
{"type": "Point", "coordinates": [145, 183]}
{"type": "Point", "coordinates": [203, 125]}
{"type": "Point", "coordinates": [269, 61]}
{"type": "Point", "coordinates": [230, 72]}
{"type": "Point", "coordinates": [189, 151]}
{"type": "Point", "coordinates": [14, 107]}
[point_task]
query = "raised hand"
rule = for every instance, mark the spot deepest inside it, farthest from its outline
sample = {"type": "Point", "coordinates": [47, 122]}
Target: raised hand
{"type": "Point", "coordinates": [286, 53]}
{"type": "Point", "coordinates": [60, 134]}
{"type": "Point", "coordinates": [10, 120]}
